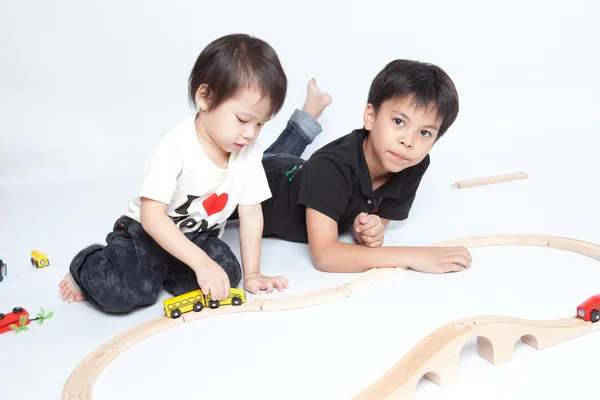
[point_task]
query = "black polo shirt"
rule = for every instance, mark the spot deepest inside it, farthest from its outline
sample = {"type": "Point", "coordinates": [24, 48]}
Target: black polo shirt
{"type": "Point", "coordinates": [336, 182]}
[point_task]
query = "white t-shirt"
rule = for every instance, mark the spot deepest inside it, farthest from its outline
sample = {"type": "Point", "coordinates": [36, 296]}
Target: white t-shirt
{"type": "Point", "coordinates": [200, 195]}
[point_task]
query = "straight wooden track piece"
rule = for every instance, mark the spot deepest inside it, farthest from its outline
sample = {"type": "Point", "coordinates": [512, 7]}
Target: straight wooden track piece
{"type": "Point", "coordinates": [468, 183]}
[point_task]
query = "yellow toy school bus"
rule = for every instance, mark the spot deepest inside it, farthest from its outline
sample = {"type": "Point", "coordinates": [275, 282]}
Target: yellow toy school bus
{"type": "Point", "coordinates": [197, 300]}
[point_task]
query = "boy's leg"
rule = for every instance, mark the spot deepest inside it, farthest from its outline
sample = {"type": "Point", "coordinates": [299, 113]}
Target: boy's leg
{"type": "Point", "coordinates": [182, 279]}
{"type": "Point", "coordinates": [124, 274]}
{"type": "Point", "coordinates": [299, 132]}
{"type": "Point", "coordinates": [302, 127]}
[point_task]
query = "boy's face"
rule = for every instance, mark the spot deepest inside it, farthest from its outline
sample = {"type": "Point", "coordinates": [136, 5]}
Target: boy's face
{"type": "Point", "coordinates": [237, 121]}
{"type": "Point", "coordinates": [400, 135]}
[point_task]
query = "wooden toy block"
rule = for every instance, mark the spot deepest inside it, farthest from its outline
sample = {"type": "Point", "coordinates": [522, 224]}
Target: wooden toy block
{"type": "Point", "coordinates": [489, 180]}
{"type": "Point", "coordinates": [495, 348]}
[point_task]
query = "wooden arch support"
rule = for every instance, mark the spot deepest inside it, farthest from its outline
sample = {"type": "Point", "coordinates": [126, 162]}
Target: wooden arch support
{"type": "Point", "coordinates": [435, 357]}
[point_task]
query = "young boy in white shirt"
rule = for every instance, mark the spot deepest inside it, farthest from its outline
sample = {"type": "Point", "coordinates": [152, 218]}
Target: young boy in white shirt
{"type": "Point", "coordinates": [202, 170]}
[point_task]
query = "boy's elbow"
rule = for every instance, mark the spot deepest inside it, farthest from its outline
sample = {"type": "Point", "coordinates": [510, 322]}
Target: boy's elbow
{"type": "Point", "coordinates": [322, 259]}
{"type": "Point", "coordinates": [320, 264]}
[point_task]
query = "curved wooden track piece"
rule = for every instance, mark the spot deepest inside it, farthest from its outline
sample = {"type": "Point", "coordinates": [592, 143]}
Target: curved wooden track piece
{"type": "Point", "coordinates": [436, 357]}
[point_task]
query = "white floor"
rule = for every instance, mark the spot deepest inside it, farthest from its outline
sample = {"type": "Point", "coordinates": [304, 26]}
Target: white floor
{"type": "Point", "coordinates": [335, 350]}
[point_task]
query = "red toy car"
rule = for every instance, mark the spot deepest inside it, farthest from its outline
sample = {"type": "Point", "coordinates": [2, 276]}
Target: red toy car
{"type": "Point", "coordinates": [12, 318]}
{"type": "Point", "coordinates": [589, 310]}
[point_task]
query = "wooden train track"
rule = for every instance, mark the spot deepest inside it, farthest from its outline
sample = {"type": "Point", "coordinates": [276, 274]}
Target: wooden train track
{"type": "Point", "coordinates": [435, 357]}
{"type": "Point", "coordinates": [489, 180]}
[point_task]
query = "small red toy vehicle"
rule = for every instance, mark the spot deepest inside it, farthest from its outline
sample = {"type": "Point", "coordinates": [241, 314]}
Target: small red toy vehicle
{"type": "Point", "coordinates": [13, 318]}
{"type": "Point", "coordinates": [589, 310]}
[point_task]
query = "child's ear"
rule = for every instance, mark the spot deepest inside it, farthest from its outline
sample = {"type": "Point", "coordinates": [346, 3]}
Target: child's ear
{"type": "Point", "coordinates": [203, 97]}
{"type": "Point", "coordinates": [369, 116]}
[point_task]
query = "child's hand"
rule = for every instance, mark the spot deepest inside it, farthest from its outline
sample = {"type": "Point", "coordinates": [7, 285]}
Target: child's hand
{"type": "Point", "coordinates": [368, 229]}
{"type": "Point", "coordinates": [213, 279]}
{"type": "Point", "coordinates": [256, 282]}
{"type": "Point", "coordinates": [439, 260]}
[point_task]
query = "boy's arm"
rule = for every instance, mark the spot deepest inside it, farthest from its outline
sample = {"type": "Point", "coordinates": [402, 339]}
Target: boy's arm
{"type": "Point", "coordinates": [251, 228]}
{"type": "Point", "coordinates": [368, 233]}
{"type": "Point", "coordinates": [331, 255]}
{"type": "Point", "coordinates": [211, 277]}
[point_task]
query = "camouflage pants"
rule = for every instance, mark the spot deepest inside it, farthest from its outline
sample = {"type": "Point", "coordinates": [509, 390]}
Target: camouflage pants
{"type": "Point", "coordinates": [129, 271]}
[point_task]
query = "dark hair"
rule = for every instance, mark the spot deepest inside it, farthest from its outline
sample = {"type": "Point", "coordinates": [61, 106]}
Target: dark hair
{"type": "Point", "coordinates": [237, 61]}
{"type": "Point", "coordinates": [427, 84]}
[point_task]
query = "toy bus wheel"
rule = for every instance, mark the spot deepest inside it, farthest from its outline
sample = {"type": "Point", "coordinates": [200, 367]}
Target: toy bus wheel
{"type": "Point", "coordinates": [213, 304]}
{"type": "Point", "coordinates": [32, 262]}
{"type": "Point", "coordinates": [596, 316]}
{"type": "Point", "coordinates": [37, 265]}
{"type": "Point", "coordinates": [1, 315]}
{"type": "Point", "coordinates": [198, 306]}
{"type": "Point", "coordinates": [176, 313]}
{"type": "Point", "coordinates": [236, 301]}
{"type": "Point", "coordinates": [17, 310]}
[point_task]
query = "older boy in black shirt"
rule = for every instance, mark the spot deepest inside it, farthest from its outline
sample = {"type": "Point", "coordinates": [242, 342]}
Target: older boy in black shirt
{"type": "Point", "coordinates": [366, 178]}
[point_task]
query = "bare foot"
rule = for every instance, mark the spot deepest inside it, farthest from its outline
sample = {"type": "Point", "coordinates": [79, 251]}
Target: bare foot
{"type": "Point", "coordinates": [68, 290]}
{"type": "Point", "coordinates": [316, 101]}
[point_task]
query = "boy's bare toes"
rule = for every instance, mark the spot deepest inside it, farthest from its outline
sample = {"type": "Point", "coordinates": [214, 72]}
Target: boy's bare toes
{"type": "Point", "coordinates": [69, 290]}
{"type": "Point", "coordinates": [316, 100]}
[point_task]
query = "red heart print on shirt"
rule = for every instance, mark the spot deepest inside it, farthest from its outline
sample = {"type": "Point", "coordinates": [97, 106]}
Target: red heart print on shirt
{"type": "Point", "coordinates": [214, 204]}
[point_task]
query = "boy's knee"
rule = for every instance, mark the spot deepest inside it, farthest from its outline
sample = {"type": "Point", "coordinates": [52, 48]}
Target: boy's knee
{"type": "Point", "coordinates": [85, 261]}
{"type": "Point", "coordinates": [221, 253]}
{"type": "Point", "coordinates": [114, 280]}
{"type": "Point", "coordinates": [233, 269]}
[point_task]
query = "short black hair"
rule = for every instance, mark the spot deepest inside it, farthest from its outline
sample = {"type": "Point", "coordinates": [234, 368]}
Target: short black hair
{"type": "Point", "coordinates": [236, 61]}
{"type": "Point", "coordinates": [427, 84]}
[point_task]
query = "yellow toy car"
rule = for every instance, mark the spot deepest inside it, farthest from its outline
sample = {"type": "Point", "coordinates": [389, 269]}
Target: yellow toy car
{"type": "Point", "coordinates": [197, 300]}
{"type": "Point", "coordinates": [39, 259]}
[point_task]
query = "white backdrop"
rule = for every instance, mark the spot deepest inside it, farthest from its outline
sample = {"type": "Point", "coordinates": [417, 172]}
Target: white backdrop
{"type": "Point", "coordinates": [87, 88]}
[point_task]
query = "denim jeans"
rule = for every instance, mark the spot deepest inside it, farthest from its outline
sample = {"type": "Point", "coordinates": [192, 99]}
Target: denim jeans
{"type": "Point", "coordinates": [300, 131]}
